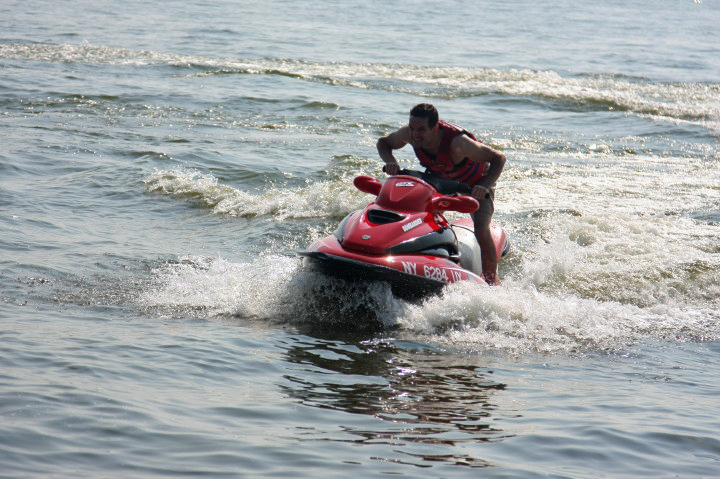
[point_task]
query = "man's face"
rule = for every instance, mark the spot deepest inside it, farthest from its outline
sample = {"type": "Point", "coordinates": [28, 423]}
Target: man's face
{"type": "Point", "coordinates": [419, 131]}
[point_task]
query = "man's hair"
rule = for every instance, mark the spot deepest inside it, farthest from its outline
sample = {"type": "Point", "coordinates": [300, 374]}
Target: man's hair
{"type": "Point", "coordinates": [426, 110]}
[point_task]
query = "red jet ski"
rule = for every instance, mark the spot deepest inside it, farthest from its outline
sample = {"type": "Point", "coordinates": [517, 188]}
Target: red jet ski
{"type": "Point", "coordinates": [403, 238]}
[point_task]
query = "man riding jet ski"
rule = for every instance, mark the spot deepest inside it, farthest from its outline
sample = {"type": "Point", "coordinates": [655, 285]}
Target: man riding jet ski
{"type": "Point", "coordinates": [402, 237]}
{"type": "Point", "coordinates": [451, 152]}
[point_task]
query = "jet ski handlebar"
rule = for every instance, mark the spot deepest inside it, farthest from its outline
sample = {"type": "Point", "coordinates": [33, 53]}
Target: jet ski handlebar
{"type": "Point", "coordinates": [441, 185]}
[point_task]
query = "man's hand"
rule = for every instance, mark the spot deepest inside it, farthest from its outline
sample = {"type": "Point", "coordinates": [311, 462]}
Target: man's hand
{"type": "Point", "coordinates": [479, 192]}
{"type": "Point", "coordinates": [392, 169]}
{"type": "Point", "coordinates": [386, 145]}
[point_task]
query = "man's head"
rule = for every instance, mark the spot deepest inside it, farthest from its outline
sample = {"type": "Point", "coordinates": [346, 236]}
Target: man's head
{"type": "Point", "coordinates": [423, 122]}
{"type": "Point", "coordinates": [428, 111]}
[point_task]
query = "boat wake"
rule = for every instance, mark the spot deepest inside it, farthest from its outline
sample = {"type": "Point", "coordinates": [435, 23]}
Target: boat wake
{"type": "Point", "coordinates": [598, 276]}
{"type": "Point", "coordinates": [698, 103]}
{"type": "Point", "coordinates": [329, 198]}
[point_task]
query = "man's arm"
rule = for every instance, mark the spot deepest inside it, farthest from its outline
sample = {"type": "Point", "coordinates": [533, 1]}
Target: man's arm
{"type": "Point", "coordinates": [393, 141]}
{"type": "Point", "coordinates": [465, 147]}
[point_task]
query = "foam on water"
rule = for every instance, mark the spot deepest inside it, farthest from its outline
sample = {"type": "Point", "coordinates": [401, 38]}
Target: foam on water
{"type": "Point", "coordinates": [270, 288]}
{"type": "Point", "coordinates": [522, 316]}
{"type": "Point", "coordinates": [216, 287]}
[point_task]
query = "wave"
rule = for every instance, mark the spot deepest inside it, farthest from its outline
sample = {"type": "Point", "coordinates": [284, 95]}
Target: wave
{"type": "Point", "coordinates": [321, 199]}
{"type": "Point", "coordinates": [694, 102]}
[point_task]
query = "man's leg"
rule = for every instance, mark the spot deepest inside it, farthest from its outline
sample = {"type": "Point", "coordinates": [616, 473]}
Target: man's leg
{"type": "Point", "coordinates": [481, 219]}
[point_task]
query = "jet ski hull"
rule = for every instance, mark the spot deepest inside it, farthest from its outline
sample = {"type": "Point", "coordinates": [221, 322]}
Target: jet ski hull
{"type": "Point", "coordinates": [411, 277]}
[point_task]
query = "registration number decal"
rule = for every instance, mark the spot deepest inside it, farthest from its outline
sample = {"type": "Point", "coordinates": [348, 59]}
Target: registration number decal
{"type": "Point", "coordinates": [435, 273]}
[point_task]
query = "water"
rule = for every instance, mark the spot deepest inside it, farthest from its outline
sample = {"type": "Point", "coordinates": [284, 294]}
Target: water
{"type": "Point", "coordinates": [161, 163]}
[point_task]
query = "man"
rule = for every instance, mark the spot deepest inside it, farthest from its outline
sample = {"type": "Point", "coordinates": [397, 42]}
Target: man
{"type": "Point", "coordinates": [451, 152]}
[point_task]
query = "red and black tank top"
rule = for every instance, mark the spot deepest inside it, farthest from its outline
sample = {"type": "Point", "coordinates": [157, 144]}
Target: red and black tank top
{"type": "Point", "coordinates": [467, 171]}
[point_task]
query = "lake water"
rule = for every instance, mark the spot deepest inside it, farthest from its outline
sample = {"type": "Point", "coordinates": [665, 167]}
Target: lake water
{"type": "Point", "coordinates": [162, 162]}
